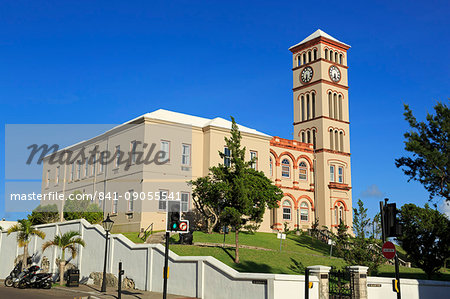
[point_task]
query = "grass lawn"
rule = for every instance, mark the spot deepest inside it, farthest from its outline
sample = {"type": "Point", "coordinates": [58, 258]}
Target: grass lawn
{"type": "Point", "coordinates": [296, 253]}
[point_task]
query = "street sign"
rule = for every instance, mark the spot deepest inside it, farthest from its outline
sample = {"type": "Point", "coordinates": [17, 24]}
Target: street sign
{"type": "Point", "coordinates": [184, 226]}
{"type": "Point", "coordinates": [281, 236]}
{"type": "Point", "coordinates": [388, 250]}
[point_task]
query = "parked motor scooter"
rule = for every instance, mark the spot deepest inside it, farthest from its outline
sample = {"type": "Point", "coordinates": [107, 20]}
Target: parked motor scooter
{"type": "Point", "coordinates": [29, 278]}
{"type": "Point", "coordinates": [9, 280]}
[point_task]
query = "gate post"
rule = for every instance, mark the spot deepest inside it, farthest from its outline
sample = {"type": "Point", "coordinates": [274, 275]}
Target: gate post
{"type": "Point", "coordinates": [321, 272]}
{"type": "Point", "coordinates": [359, 274]}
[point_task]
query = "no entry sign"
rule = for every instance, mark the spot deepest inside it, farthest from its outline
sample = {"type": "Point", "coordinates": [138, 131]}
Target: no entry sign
{"type": "Point", "coordinates": [388, 250]}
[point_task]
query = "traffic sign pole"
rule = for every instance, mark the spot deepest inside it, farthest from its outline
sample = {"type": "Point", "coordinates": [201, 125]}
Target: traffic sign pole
{"type": "Point", "coordinates": [166, 266]}
{"type": "Point", "coordinates": [397, 277]}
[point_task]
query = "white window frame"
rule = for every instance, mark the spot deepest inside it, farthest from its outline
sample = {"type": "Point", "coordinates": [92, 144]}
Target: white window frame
{"type": "Point", "coordinates": [133, 147]}
{"type": "Point", "coordinates": [117, 156]}
{"type": "Point", "coordinates": [186, 157]}
{"type": "Point", "coordinates": [285, 207]}
{"type": "Point", "coordinates": [115, 203]}
{"type": "Point", "coordinates": [58, 169]}
{"type": "Point", "coordinates": [283, 169]}
{"type": "Point", "coordinates": [167, 159]}
{"type": "Point", "coordinates": [332, 173]}
{"type": "Point", "coordinates": [185, 204]}
{"type": "Point", "coordinates": [340, 175]}
{"type": "Point", "coordinates": [305, 169]}
{"type": "Point", "coordinates": [254, 154]}
{"type": "Point", "coordinates": [131, 201]}
{"type": "Point", "coordinates": [304, 207]}
{"type": "Point", "coordinates": [227, 156]}
{"type": "Point", "coordinates": [160, 205]}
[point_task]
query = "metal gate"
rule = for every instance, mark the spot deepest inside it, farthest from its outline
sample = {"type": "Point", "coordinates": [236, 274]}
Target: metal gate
{"type": "Point", "coordinates": [341, 284]}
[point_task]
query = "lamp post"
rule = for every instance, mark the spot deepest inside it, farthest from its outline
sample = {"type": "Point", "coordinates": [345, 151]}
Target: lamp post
{"type": "Point", "coordinates": [107, 225]}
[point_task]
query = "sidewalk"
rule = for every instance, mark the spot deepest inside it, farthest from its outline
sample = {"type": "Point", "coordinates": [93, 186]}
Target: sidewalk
{"type": "Point", "coordinates": [93, 292]}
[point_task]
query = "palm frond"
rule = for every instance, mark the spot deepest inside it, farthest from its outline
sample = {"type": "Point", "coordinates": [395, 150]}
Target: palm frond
{"type": "Point", "coordinates": [48, 244]}
{"type": "Point", "coordinates": [73, 250]}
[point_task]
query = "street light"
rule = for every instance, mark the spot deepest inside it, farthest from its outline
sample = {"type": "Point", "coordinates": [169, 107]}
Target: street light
{"type": "Point", "coordinates": [107, 225]}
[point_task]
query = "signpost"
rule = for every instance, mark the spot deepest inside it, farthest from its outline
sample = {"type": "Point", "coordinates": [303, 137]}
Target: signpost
{"type": "Point", "coordinates": [390, 228]}
{"type": "Point", "coordinates": [282, 237]}
{"type": "Point", "coordinates": [174, 224]}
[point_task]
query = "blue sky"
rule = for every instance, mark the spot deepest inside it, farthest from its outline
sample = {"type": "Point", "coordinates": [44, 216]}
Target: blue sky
{"type": "Point", "coordinates": [107, 62]}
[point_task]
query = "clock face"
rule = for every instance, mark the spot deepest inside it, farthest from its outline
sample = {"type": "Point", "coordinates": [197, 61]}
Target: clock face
{"type": "Point", "coordinates": [335, 74]}
{"type": "Point", "coordinates": [306, 74]}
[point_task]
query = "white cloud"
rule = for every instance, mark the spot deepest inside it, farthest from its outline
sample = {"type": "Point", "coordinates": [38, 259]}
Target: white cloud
{"type": "Point", "coordinates": [445, 208]}
{"type": "Point", "coordinates": [372, 191]}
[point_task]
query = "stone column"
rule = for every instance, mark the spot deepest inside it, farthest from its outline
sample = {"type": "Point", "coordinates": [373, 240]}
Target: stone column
{"type": "Point", "coordinates": [321, 272]}
{"type": "Point", "coordinates": [360, 281]}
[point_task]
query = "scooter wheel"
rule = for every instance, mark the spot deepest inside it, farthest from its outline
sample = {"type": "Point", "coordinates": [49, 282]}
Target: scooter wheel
{"type": "Point", "coordinates": [9, 282]}
{"type": "Point", "coordinates": [47, 285]}
{"type": "Point", "coordinates": [15, 284]}
{"type": "Point", "coordinates": [22, 285]}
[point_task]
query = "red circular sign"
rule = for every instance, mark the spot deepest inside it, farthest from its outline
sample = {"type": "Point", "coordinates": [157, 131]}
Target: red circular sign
{"type": "Point", "coordinates": [183, 226]}
{"type": "Point", "coordinates": [388, 250]}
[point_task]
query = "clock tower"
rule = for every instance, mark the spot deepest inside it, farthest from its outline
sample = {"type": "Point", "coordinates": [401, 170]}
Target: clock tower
{"type": "Point", "coordinates": [321, 118]}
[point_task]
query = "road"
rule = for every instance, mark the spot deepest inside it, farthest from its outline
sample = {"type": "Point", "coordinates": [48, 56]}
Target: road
{"type": "Point", "coordinates": [13, 293]}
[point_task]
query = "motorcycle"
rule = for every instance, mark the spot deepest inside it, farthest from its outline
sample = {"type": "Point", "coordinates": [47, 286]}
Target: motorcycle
{"type": "Point", "coordinates": [9, 280]}
{"type": "Point", "coordinates": [29, 278]}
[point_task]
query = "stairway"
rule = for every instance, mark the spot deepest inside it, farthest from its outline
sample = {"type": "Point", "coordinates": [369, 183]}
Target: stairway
{"type": "Point", "coordinates": [156, 238]}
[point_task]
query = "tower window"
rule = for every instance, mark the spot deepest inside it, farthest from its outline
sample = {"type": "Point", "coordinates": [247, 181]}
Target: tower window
{"type": "Point", "coordinates": [335, 56]}
{"type": "Point", "coordinates": [315, 54]}
{"type": "Point", "coordinates": [299, 62]}
{"type": "Point", "coordinates": [313, 99]}
{"type": "Point", "coordinates": [331, 139]}
{"type": "Point", "coordinates": [330, 106]}
{"type": "Point", "coordinates": [331, 55]}
{"type": "Point", "coordinates": [314, 139]}
{"type": "Point", "coordinates": [303, 136]}
{"type": "Point", "coordinates": [331, 173]}
{"type": "Point", "coordinates": [336, 144]}
{"type": "Point", "coordinates": [326, 54]}
{"type": "Point", "coordinates": [308, 108]}
{"type": "Point", "coordinates": [341, 148]}
{"type": "Point", "coordinates": [302, 171]}
{"type": "Point", "coordinates": [304, 58]}
{"type": "Point", "coordinates": [340, 175]}
{"type": "Point", "coordinates": [309, 56]}
{"type": "Point", "coordinates": [340, 107]}
{"type": "Point", "coordinates": [340, 59]}
{"type": "Point", "coordinates": [287, 210]}
{"type": "Point", "coordinates": [285, 168]}
{"type": "Point", "coordinates": [308, 135]}
{"type": "Point", "coordinates": [303, 108]}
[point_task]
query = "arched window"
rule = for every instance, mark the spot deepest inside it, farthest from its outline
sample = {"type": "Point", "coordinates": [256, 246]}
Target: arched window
{"type": "Point", "coordinates": [313, 104]}
{"type": "Point", "coordinates": [340, 106]}
{"type": "Point", "coordinates": [326, 54]}
{"type": "Point", "coordinates": [307, 107]}
{"type": "Point", "coordinates": [303, 108]}
{"type": "Point", "coordinates": [331, 139]}
{"type": "Point", "coordinates": [336, 142]}
{"type": "Point", "coordinates": [336, 219]}
{"type": "Point", "coordinates": [303, 137]}
{"type": "Point", "coordinates": [330, 106]}
{"type": "Point", "coordinates": [304, 58]}
{"type": "Point", "coordinates": [308, 136]}
{"type": "Point", "coordinates": [285, 168]}
{"type": "Point", "coordinates": [315, 54]}
{"type": "Point", "coordinates": [340, 59]}
{"type": "Point", "coordinates": [335, 116]}
{"type": "Point", "coordinates": [309, 56]}
{"type": "Point", "coordinates": [271, 166]}
{"type": "Point", "coordinates": [314, 139]}
{"type": "Point", "coordinates": [304, 211]}
{"type": "Point", "coordinates": [341, 215]}
{"type": "Point", "coordinates": [287, 210]}
{"type": "Point", "coordinates": [302, 171]}
{"type": "Point", "coordinates": [341, 141]}
{"type": "Point", "coordinates": [331, 55]}
{"type": "Point", "coordinates": [335, 56]}
{"type": "Point", "coordinates": [299, 60]}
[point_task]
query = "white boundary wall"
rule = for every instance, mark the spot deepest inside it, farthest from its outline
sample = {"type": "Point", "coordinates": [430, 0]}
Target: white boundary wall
{"type": "Point", "coordinates": [193, 276]}
{"type": "Point", "coordinates": [409, 288]}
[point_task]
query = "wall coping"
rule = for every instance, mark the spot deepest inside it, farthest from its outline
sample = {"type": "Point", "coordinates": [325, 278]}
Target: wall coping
{"type": "Point", "coordinates": [408, 281]}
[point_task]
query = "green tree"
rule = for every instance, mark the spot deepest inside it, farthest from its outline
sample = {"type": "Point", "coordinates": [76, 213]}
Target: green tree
{"type": "Point", "coordinates": [429, 144]}
{"type": "Point", "coordinates": [68, 241]}
{"type": "Point", "coordinates": [237, 192]}
{"type": "Point", "coordinates": [425, 237]}
{"type": "Point", "coordinates": [376, 227]}
{"type": "Point", "coordinates": [25, 230]}
{"type": "Point", "coordinates": [44, 214]}
{"type": "Point", "coordinates": [360, 220]}
{"type": "Point", "coordinates": [82, 208]}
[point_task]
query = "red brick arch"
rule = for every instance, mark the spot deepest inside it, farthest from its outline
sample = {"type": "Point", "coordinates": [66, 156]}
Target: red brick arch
{"type": "Point", "coordinates": [291, 197]}
{"type": "Point", "coordinates": [308, 199]}
{"type": "Point", "coordinates": [340, 201]}
{"type": "Point", "coordinates": [311, 166]}
{"type": "Point", "coordinates": [293, 160]}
